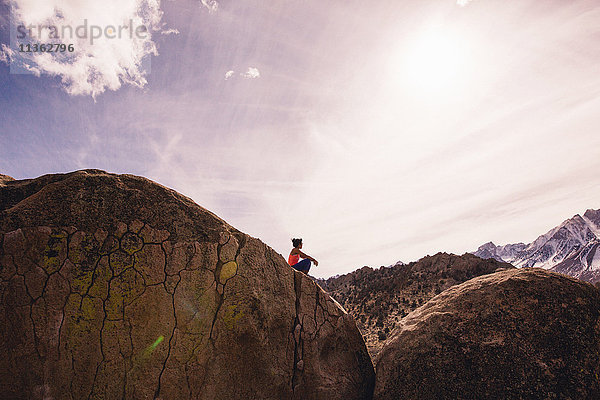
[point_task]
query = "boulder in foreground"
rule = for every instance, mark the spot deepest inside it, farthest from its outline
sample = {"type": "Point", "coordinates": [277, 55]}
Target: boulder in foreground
{"type": "Point", "coordinates": [112, 286]}
{"type": "Point", "coordinates": [524, 333]}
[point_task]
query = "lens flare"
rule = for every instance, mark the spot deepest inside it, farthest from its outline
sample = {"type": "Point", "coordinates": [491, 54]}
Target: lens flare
{"type": "Point", "coordinates": [153, 346]}
{"type": "Point", "coordinates": [157, 342]}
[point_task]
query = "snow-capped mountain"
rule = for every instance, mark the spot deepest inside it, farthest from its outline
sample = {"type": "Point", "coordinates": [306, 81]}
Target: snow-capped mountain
{"type": "Point", "coordinates": [508, 253]}
{"type": "Point", "coordinates": [571, 248]}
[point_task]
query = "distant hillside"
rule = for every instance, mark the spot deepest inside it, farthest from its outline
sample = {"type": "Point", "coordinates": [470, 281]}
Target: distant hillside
{"type": "Point", "coordinates": [571, 248]}
{"type": "Point", "coordinates": [379, 298]}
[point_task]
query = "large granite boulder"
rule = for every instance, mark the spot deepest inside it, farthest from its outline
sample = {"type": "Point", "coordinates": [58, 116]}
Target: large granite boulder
{"type": "Point", "coordinates": [113, 286]}
{"type": "Point", "coordinates": [517, 334]}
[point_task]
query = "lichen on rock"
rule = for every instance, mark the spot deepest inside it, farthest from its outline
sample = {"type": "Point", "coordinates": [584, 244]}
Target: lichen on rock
{"type": "Point", "coordinates": [113, 286]}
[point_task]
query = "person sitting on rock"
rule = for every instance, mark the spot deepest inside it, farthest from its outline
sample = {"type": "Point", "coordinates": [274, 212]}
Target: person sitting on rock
{"type": "Point", "coordinates": [296, 253]}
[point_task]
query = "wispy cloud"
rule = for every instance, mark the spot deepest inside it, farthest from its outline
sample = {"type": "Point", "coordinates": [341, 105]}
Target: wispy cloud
{"type": "Point", "coordinates": [104, 57]}
{"type": "Point", "coordinates": [343, 153]}
{"type": "Point", "coordinates": [463, 3]}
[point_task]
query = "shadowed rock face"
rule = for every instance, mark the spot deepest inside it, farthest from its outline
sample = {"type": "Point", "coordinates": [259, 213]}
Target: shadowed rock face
{"type": "Point", "coordinates": [524, 333]}
{"type": "Point", "coordinates": [113, 286]}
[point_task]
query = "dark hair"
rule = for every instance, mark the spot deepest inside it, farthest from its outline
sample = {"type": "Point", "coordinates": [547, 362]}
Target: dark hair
{"type": "Point", "coordinates": [296, 242]}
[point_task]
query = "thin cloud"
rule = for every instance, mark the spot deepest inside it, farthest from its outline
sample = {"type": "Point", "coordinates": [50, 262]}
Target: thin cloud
{"type": "Point", "coordinates": [95, 65]}
{"type": "Point", "coordinates": [463, 3]}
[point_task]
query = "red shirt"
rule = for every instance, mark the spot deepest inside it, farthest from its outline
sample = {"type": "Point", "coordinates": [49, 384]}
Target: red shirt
{"type": "Point", "coordinates": [293, 259]}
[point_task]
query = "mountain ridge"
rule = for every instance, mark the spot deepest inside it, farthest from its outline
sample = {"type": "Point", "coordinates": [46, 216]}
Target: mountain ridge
{"type": "Point", "coordinates": [571, 248]}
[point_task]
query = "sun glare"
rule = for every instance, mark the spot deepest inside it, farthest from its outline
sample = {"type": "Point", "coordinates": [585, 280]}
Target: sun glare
{"type": "Point", "coordinates": [435, 63]}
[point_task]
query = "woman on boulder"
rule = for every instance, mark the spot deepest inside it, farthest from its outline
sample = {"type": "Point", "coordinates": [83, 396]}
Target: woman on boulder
{"type": "Point", "coordinates": [294, 258]}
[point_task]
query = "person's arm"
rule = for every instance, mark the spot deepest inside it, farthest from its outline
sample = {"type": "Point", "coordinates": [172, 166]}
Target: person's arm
{"type": "Point", "coordinates": [304, 255]}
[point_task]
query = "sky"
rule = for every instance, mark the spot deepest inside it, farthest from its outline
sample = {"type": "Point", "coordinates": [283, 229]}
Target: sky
{"type": "Point", "coordinates": [376, 132]}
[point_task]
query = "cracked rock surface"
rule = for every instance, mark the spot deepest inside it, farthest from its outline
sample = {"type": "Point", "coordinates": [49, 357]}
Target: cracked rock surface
{"type": "Point", "coordinates": [516, 334]}
{"type": "Point", "coordinates": [112, 286]}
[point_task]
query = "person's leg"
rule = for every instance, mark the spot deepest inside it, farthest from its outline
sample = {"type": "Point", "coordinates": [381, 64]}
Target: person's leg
{"type": "Point", "coordinates": [303, 266]}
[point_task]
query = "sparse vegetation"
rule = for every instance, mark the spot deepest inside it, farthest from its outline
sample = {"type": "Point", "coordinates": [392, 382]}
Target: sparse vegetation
{"type": "Point", "coordinates": [379, 298]}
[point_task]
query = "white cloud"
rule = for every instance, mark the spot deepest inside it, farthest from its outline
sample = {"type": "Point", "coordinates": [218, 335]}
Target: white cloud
{"type": "Point", "coordinates": [211, 5]}
{"type": "Point", "coordinates": [98, 62]}
{"type": "Point", "coordinates": [463, 3]}
{"type": "Point", "coordinates": [251, 73]}
{"type": "Point", "coordinates": [6, 54]}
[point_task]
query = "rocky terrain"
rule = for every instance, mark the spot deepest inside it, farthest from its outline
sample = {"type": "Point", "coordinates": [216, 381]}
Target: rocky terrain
{"type": "Point", "coordinates": [112, 286]}
{"type": "Point", "coordinates": [572, 248]}
{"type": "Point", "coordinates": [379, 298]}
{"type": "Point", "coordinates": [519, 334]}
